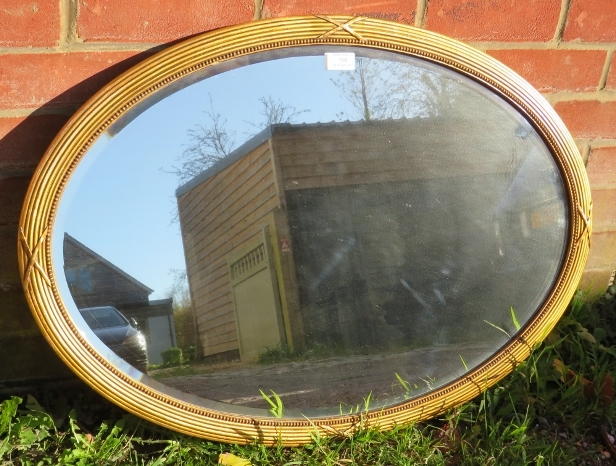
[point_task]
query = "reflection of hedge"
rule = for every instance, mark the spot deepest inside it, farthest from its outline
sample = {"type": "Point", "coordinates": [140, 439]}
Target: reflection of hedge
{"type": "Point", "coordinates": [172, 357]}
{"type": "Point", "coordinates": [184, 328]}
{"type": "Point", "coordinates": [191, 352]}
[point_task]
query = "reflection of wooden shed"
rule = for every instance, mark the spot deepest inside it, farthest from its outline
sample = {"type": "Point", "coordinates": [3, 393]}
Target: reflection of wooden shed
{"type": "Point", "coordinates": [94, 281]}
{"type": "Point", "coordinates": [289, 202]}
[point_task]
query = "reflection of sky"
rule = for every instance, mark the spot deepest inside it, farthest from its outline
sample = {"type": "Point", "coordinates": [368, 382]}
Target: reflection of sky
{"type": "Point", "coordinates": [120, 201]}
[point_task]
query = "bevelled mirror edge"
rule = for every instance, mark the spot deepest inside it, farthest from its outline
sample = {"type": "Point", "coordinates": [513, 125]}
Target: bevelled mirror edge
{"type": "Point", "coordinates": [196, 54]}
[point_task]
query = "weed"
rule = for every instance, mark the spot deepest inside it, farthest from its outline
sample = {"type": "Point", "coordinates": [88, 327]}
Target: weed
{"type": "Point", "coordinates": [275, 354]}
{"type": "Point", "coordinates": [429, 381]}
{"type": "Point", "coordinates": [498, 328]}
{"type": "Point", "coordinates": [406, 387]}
{"type": "Point", "coordinates": [275, 402]}
{"type": "Point", "coordinates": [514, 319]}
{"type": "Point", "coordinates": [463, 363]}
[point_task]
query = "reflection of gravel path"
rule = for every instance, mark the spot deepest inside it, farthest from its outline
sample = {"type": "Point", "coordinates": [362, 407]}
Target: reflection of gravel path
{"type": "Point", "coordinates": [336, 381]}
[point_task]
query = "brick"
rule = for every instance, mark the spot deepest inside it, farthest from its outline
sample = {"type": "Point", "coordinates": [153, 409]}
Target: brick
{"type": "Point", "coordinates": [589, 118]}
{"type": "Point", "coordinates": [59, 79]}
{"type": "Point", "coordinates": [393, 10]}
{"type": "Point", "coordinates": [611, 77]}
{"type": "Point", "coordinates": [602, 251]}
{"type": "Point", "coordinates": [15, 316]}
{"type": "Point", "coordinates": [157, 20]}
{"type": "Point", "coordinates": [556, 70]}
{"type": "Point", "coordinates": [594, 282]}
{"type": "Point", "coordinates": [494, 20]}
{"type": "Point", "coordinates": [601, 167]}
{"type": "Point", "coordinates": [604, 210]}
{"type": "Point", "coordinates": [29, 23]}
{"type": "Point", "coordinates": [27, 357]}
{"type": "Point", "coordinates": [12, 192]}
{"type": "Point", "coordinates": [591, 21]}
{"type": "Point", "coordinates": [23, 141]}
{"type": "Point", "coordinates": [9, 272]}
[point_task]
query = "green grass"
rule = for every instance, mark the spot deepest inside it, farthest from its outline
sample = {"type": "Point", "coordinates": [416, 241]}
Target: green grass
{"type": "Point", "coordinates": [549, 411]}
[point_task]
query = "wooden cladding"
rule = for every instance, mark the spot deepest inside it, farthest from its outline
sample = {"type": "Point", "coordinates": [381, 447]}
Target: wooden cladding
{"type": "Point", "coordinates": [217, 221]}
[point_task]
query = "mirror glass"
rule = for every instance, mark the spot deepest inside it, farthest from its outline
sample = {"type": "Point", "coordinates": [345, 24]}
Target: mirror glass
{"type": "Point", "coordinates": [320, 230]}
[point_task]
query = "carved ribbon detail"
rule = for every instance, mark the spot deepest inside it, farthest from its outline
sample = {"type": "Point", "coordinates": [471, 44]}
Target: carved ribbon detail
{"type": "Point", "coordinates": [586, 218]}
{"type": "Point", "coordinates": [32, 262]}
{"type": "Point", "coordinates": [342, 26]}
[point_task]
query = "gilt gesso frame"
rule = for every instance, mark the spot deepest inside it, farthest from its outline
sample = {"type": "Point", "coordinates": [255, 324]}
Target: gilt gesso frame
{"type": "Point", "coordinates": [193, 56]}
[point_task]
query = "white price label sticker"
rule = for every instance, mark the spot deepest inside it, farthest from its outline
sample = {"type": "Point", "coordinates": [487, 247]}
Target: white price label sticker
{"type": "Point", "coordinates": [340, 61]}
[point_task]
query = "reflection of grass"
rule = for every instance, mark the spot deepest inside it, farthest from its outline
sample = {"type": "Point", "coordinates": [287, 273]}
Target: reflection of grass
{"type": "Point", "coordinates": [281, 353]}
{"type": "Point", "coordinates": [275, 402]}
{"type": "Point", "coordinates": [278, 354]}
{"type": "Point", "coordinates": [514, 319]}
{"type": "Point", "coordinates": [357, 409]}
{"type": "Point", "coordinates": [193, 369]}
{"type": "Point", "coordinates": [273, 354]}
{"type": "Point", "coordinates": [463, 363]}
{"type": "Point", "coordinates": [177, 371]}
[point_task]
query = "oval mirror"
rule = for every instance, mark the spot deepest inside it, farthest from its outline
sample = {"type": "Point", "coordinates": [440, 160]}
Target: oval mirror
{"type": "Point", "coordinates": [302, 223]}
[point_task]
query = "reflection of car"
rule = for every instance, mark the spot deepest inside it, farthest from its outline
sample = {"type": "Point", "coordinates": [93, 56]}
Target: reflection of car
{"type": "Point", "coordinates": [118, 334]}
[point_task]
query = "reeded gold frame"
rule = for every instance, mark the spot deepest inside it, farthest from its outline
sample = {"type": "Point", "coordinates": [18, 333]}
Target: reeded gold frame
{"type": "Point", "coordinates": [197, 53]}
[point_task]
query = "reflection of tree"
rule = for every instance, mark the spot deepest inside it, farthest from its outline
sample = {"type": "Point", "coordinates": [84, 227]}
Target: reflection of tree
{"type": "Point", "coordinates": [207, 144]}
{"type": "Point", "coordinates": [211, 142]}
{"type": "Point", "coordinates": [367, 88]}
{"type": "Point", "coordinates": [183, 315]}
{"type": "Point", "coordinates": [379, 89]}
{"type": "Point", "coordinates": [275, 112]}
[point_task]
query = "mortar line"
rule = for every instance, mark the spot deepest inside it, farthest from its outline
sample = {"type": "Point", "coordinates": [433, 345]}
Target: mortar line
{"type": "Point", "coordinates": [7, 229]}
{"type": "Point", "coordinates": [64, 22]}
{"type": "Point", "coordinates": [601, 143]}
{"type": "Point", "coordinates": [571, 96]}
{"type": "Point", "coordinates": [562, 21]}
{"type": "Point", "coordinates": [146, 46]}
{"type": "Point", "coordinates": [258, 9]}
{"type": "Point", "coordinates": [564, 96]}
{"type": "Point", "coordinates": [585, 152]}
{"type": "Point", "coordinates": [606, 70]}
{"type": "Point", "coordinates": [66, 110]}
{"type": "Point", "coordinates": [69, 10]}
{"type": "Point", "coordinates": [422, 11]}
{"type": "Point", "coordinates": [590, 46]}
{"type": "Point", "coordinates": [23, 333]}
{"type": "Point", "coordinates": [17, 173]}
{"type": "Point", "coordinates": [84, 47]}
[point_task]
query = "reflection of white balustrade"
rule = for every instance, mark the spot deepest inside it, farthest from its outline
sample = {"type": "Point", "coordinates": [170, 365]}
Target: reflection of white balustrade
{"type": "Point", "coordinates": [247, 262]}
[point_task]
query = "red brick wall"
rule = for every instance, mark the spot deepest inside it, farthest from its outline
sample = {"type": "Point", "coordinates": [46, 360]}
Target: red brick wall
{"type": "Point", "coordinates": [55, 54]}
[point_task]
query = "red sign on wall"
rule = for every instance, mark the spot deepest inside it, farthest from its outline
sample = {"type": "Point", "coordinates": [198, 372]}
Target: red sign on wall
{"type": "Point", "coordinates": [284, 245]}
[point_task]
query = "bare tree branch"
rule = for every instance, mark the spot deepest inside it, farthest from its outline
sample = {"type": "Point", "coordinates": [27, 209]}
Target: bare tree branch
{"type": "Point", "coordinates": [213, 141]}
{"type": "Point", "coordinates": [208, 144]}
{"type": "Point", "coordinates": [275, 112]}
{"type": "Point", "coordinates": [380, 89]}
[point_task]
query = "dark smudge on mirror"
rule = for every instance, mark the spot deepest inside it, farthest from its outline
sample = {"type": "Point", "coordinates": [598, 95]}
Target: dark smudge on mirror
{"type": "Point", "coordinates": [339, 240]}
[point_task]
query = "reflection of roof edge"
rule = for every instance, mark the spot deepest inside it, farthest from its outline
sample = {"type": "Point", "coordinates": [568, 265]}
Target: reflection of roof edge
{"type": "Point", "coordinates": [223, 163]}
{"type": "Point", "coordinates": [105, 262]}
{"type": "Point", "coordinates": [156, 308]}
{"type": "Point", "coordinates": [156, 302]}
{"type": "Point", "coordinates": [263, 136]}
